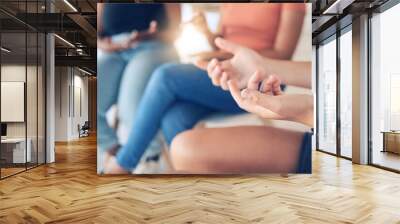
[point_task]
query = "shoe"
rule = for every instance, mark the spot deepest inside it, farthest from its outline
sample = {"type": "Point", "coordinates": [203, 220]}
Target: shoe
{"type": "Point", "coordinates": [111, 152]}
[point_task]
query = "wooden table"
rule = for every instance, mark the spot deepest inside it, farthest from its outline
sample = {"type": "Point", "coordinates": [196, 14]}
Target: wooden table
{"type": "Point", "coordinates": [391, 141]}
{"type": "Point", "coordinates": [13, 150]}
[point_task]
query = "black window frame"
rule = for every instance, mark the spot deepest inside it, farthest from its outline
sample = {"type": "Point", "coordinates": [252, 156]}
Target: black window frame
{"type": "Point", "coordinates": [30, 29]}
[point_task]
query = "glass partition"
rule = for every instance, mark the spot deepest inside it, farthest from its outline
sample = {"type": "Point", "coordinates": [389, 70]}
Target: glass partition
{"type": "Point", "coordinates": [327, 96]}
{"type": "Point", "coordinates": [32, 98]}
{"type": "Point", "coordinates": [346, 94]}
{"type": "Point", "coordinates": [385, 89]}
{"type": "Point", "coordinates": [41, 107]}
{"type": "Point", "coordinates": [23, 91]}
{"type": "Point", "coordinates": [14, 143]}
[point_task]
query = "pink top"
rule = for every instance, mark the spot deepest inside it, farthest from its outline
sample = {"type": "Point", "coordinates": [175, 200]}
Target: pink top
{"type": "Point", "coordinates": [254, 25]}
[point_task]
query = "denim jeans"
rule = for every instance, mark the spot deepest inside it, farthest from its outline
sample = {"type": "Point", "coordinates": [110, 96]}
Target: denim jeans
{"type": "Point", "coordinates": [122, 77]}
{"type": "Point", "coordinates": [175, 99]}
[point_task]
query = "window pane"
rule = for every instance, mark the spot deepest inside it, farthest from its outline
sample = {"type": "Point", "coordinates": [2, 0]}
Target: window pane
{"type": "Point", "coordinates": [327, 97]}
{"type": "Point", "coordinates": [41, 99]}
{"type": "Point", "coordinates": [14, 153]}
{"type": "Point", "coordinates": [386, 89]}
{"type": "Point", "coordinates": [346, 94]}
{"type": "Point", "coordinates": [31, 99]}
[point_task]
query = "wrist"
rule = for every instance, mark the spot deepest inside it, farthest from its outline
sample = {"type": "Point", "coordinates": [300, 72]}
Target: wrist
{"type": "Point", "coordinates": [307, 117]}
{"type": "Point", "coordinates": [270, 66]}
{"type": "Point", "coordinates": [262, 67]}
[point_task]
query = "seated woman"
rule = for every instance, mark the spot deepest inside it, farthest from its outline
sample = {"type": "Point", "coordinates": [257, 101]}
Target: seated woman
{"type": "Point", "coordinates": [252, 149]}
{"type": "Point", "coordinates": [133, 40]}
{"type": "Point", "coordinates": [179, 95]}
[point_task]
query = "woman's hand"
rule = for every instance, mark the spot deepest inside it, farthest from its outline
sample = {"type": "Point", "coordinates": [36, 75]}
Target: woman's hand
{"type": "Point", "coordinates": [106, 44]}
{"type": "Point", "coordinates": [137, 36]}
{"type": "Point", "coordinates": [266, 100]}
{"type": "Point", "coordinates": [240, 67]}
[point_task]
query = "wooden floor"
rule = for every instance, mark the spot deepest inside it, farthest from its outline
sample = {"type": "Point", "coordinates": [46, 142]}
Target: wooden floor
{"type": "Point", "coordinates": [69, 191]}
{"type": "Point", "coordinates": [386, 159]}
{"type": "Point", "coordinates": [5, 172]}
{"type": "Point", "coordinates": [10, 171]}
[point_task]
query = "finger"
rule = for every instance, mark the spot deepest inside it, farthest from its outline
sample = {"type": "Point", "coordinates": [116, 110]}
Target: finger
{"type": "Point", "coordinates": [216, 76]}
{"type": "Point", "coordinates": [235, 92]}
{"type": "Point", "coordinates": [211, 66]}
{"type": "Point", "coordinates": [272, 103]}
{"type": "Point", "coordinates": [253, 101]}
{"type": "Point", "coordinates": [250, 95]}
{"type": "Point", "coordinates": [272, 86]}
{"type": "Point", "coordinates": [248, 104]}
{"type": "Point", "coordinates": [226, 65]}
{"type": "Point", "coordinates": [202, 64]}
{"type": "Point", "coordinates": [267, 85]}
{"type": "Point", "coordinates": [276, 85]}
{"type": "Point", "coordinates": [153, 27]}
{"type": "Point", "coordinates": [276, 89]}
{"type": "Point", "coordinates": [224, 81]}
{"type": "Point", "coordinates": [254, 81]}
{"type": "Point", "coordinates": [226, 45]}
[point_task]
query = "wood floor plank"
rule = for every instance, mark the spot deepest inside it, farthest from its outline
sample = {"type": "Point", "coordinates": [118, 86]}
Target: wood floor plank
{"type": "Point", "coordinates": [69, 191]}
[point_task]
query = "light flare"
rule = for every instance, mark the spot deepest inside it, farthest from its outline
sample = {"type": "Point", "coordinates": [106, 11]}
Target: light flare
{"type": "Point", "coordinates": [190, 42]}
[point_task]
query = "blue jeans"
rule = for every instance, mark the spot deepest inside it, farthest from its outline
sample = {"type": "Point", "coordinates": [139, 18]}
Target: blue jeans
{"type": "Point", "coordinates": [305, 161]}
{"type": "Point", "coordinates": [122, 77]}
{"type": "Point", "coordinates": [175, 99]}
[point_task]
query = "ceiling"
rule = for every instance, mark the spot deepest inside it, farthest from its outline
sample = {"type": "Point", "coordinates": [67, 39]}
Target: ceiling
{"type": "Point", "coordinates": [72, 20]}
{"type": "Point", "coordinates": [331, 15]}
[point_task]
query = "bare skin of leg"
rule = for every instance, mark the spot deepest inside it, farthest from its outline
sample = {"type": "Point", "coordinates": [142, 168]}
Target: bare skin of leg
{"type": "Point", "coordinates": [246, 149]}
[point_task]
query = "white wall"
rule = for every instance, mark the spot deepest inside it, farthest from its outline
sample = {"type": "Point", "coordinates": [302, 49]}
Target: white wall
{"type": "Point", "coordinates": [34, 125]}
{"type": "Point", "coordinates": [12, 100]}
{"type": "Point", "coordinates": [79, 117]}
{"type": "Point", "coordinates": [70, 83]}
{"type": "Point", "coordinates": [16, 73]}
{"type": "Point", "coordinates": [62, 82]}
{"type": "Point", "coordinates": [12, 73]}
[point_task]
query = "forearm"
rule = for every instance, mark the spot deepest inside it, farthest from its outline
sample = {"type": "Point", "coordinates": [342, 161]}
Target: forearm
{"type": "Point", "coordinates": [307, 118]}
{"type": "Point", "coordinates": [168, 35]}
{"type": "Point", "coordinates": [302, 107]}
{"type": "Point", "coordinates": [275, 54]}
{"type": "Point", "coordinates": [291, 73]}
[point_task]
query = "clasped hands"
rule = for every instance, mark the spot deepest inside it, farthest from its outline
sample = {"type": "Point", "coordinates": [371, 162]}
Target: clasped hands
{"type": "Point", "coordinates": [134, 38]}
{"type": "Point", "coordinates": [247, 76]}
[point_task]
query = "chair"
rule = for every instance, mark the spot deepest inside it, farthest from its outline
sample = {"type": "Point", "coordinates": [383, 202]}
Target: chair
{"type": "Point", "coordinates": [84, 130]}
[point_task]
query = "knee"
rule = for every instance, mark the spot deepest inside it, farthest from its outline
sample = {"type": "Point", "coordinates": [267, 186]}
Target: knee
{"type": "Point", "coordinates": [183, 151]}
{"type": "Point", "coordinates": [159, 76]}
{"type": "Point", "coordinates": [166, 72]}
